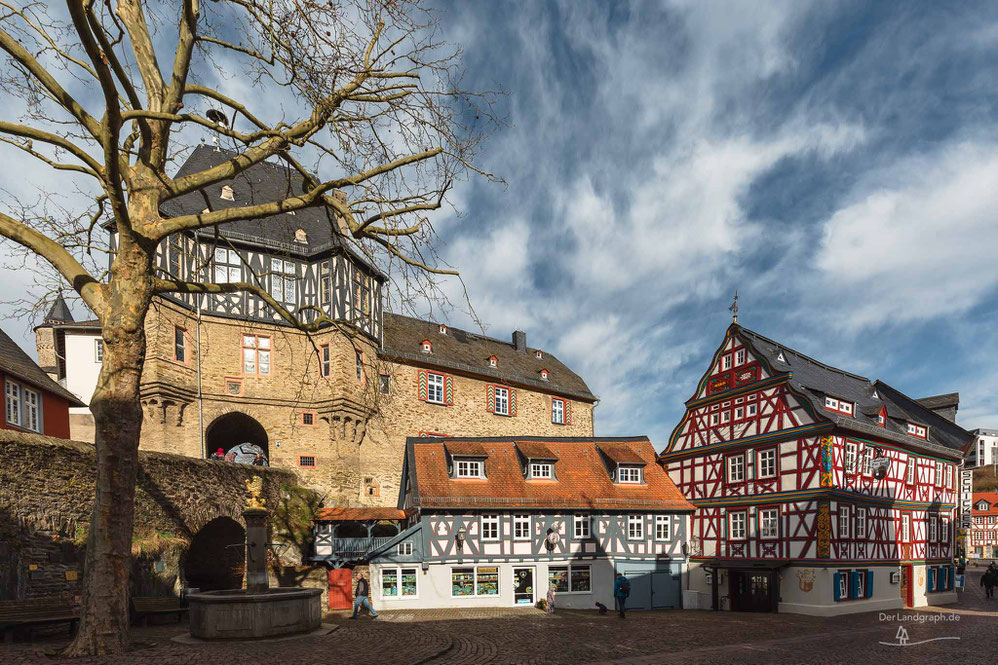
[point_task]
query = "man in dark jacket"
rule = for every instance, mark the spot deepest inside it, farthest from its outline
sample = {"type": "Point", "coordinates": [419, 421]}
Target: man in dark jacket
{"type": "Point", "coordinates": [621, 590]}
{"type": "Point", "coordinates": [988, 580]}
{"type": "Point", "coordinates": [361, 597]}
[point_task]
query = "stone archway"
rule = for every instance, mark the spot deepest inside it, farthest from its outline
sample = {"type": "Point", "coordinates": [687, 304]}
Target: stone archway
{"type": "Point", "coordinates": [232, 429]}
{"type": "Point", "coordinates": [216, 558]}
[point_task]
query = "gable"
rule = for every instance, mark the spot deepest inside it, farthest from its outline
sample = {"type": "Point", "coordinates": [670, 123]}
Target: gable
{"type": "Point", "coordinates": [732, 366]}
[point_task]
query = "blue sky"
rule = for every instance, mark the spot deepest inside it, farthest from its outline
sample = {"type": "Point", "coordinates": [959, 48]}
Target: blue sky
{"type": "Point", "coordinates": [837, 163]}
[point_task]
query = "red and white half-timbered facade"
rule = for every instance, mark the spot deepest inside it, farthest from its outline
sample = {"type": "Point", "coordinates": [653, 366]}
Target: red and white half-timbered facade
{"type": "Point", "coordinates": [817, 491]}
{"type": "Point", "coordinates": [982, 536]}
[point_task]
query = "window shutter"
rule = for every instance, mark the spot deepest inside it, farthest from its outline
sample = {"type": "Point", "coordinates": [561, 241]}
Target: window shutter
{"type": "Point", "coordinates": [512, 401]}
{"type": "Point", "coordinates": [448, 389]}
{"type": "Point", "coordinates": [869, 584]}
{"type": "Point", "coordinates": [568, 412]}
{"type": "Point", "coordinates": [853, 584]}
{"type": "Point", "coordinates": [932, 580]}
{"type": "Point", "coordinates": [835, 584]}
{"type": "Point", "coordinates": [490, 398]}
{"type": "Point", "coordinates": [421, 386]}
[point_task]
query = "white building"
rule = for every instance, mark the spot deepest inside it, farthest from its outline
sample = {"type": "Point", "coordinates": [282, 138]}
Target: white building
{"type": "Point", "coordinates": [985, 448]}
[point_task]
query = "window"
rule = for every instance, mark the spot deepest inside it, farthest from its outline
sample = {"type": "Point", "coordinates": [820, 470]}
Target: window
{"type": "Point", "coordinates": [843, 521]}
{"type": "Point", "coordinates": [558, 411]}
{"type": "Point", "coordinates": [917, 430]}
{"type": "Point", "coordinates": [860, 583]}
{"type": "Point", "coordinates": [13, 400]}
{"type": "Point", "coordinates": [635, 527]}
{"type": "Point", "coordinates": [502, 401]}
{"type": "Point", "coordinates": [490, 527]}
{"type": "Point", "coordinates": [867, 460]}
{"type": "Point", "coordinates": [839, 405]}
{"type": "Point", "coordinates": [427, 346]}
{"type": "Point", "coordinates": [558, 578]}
{"type": "Point", "coordinates": [909, 473]}
{"type": "Point", "coordinates": [846, 408]}
{"type": "Point", "coordinates": [767, 463]}
{"type": "Point", "coordinates": [628, 474]}
{"type": "Point", "coordinates": [493, 361]}
{"type": "Point", "coordinates": [850, 457]}
{"type": "Point", "coordinates": [175, 256]}
{"type": "Point", "coordinates": [714, 418]}
{"type": "Point", "coordinates": [939, 473]}
{"type": "Point", "coordinates": [726, 362]}
{"type": "Point", "coordinates": [581, 579]}
{"type": "Point", "coordinates": [435, 388]}
{"type": "Point", "coordinates": [359, 359]}
{"type": "Point", "coordinates": [283, 280]}
{"type": "Point", "coordinates": [32, 404]}
{"type": "Point", "coordinates": [462, 582]}
{"type": "Point", "coordinates": [389, 582]}
{"type": "Point", "coordinates": [570, 579]}
{"type": "Point", "coordinates": [881, 420]}
{"type": "Point", "coordinates": [256, 354]}
{"type": "Point", "coordinates": [861, 523]}
{"type": "Point", "coordinates": [541, 470]}
{"type": "Point", "coordinates": [582, 530]}
{"type": "Point", "coordinates": [933, 536]}
{"type": "Point", "coordinates": [725, 416]}
{"type": "Point", "coordinates": [739, 413]}
{"type": "Point", "coordinates": [831, 403]}
{"type": "Point", "coordinates": [905, 528]}
{"type": "Point", "coordinates": [487, 581]}
{"type": "Point", "coordinates": [308, 418]}
{"type": "Point", "coordinates": [179, 344]}
{"type": "Point", "coordinates": [404, 549]}
{"type": "Point", "coordinates": [753, 409]}
{"type": "Point", "coordinates": [227, 193]}
{"type": "Point", "coordinates": [740, 357]}
{"type": "Point", "coordinates": [843, 584]}
{"type": "Point", "coordinates": [324, 283]}
{"type": "Point", "coordinates": [769, 523]}
{"type": "Point", "coordinates": [736, 522]}
{"type": "Point", "coordinates": [98, 350]}
{"type": "Point", "coordinates": [325, 361]}
{"type": "Point", "coordinates": [306, 460]}
{"type": "Point", "coordinates": [521, 527]}
{"type": "Point", "coordinates": [662, 527]}
{"type": "Point", "coordinates": [736, 468]}
{"type": "Point", "coordinates": [362, 294]}
{"type": "Point", "coordinates": [228, 266]}
{"type": "Point", "coordinates": [386, 384]}
{"type": "Point", "coordinates": [469, 468]}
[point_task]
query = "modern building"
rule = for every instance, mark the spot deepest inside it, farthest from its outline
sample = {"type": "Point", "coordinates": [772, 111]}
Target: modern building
{"type": "Point", "coordinates": [818, 491]}
{"type": "Point", "coordinates": [497, 521]}
{"type": "Point", "coordinates": [336, 405]}
{"type": "Point", "coordinates": [984, 451]}
{"type": "Point", "coordinates": [982, 536]}
{"type": "Point", "coordinates": [33, 402]}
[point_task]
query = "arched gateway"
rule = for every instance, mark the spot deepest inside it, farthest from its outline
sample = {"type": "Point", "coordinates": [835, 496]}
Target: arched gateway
{"type": "Point", "coordinates": [232, 429]}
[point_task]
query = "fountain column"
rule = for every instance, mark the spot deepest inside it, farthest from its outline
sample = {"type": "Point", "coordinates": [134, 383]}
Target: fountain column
{"type": "Point", "coordinates": [257, 579]}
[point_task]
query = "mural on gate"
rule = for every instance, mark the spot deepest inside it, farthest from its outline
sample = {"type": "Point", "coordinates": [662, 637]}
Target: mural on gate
{"type": "Point", "coordinates": [824, 530]}
{"type": "Point", "coordinates": [805, 579]}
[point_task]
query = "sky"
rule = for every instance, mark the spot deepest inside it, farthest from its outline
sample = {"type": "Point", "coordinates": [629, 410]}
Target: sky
{"type": "Point", "coordinates": [836, 163]}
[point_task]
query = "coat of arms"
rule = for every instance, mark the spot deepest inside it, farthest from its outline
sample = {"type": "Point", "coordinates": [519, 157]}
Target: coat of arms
{"type": "Point", "coordinates": [805, 579]}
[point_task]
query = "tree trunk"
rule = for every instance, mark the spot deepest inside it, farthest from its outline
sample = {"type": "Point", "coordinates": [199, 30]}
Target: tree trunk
{"type": "Point", "coordinates": [104, 620]}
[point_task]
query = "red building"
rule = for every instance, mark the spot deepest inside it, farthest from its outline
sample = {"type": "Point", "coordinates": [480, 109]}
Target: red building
{"type": "Point", "coordinates": [33, 402]}
{"type": "Point", "coordinates": [818, 491]}
{"type": "Point", "coordinates": [982, 537]}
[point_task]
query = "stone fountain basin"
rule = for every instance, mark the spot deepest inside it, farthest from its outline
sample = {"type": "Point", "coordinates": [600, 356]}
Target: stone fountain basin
{"type": "Point", "coordinates": [239, 614]}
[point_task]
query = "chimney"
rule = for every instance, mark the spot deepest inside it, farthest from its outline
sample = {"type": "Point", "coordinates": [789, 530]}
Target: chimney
{"type": "Point", "coordinates": [520, 340]}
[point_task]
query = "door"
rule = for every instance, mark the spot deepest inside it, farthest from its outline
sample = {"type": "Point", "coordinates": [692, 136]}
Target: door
{"type": "Point", "coordinates": [664, 590]}
{"type": "Point", "coordinates": [907, 588]}
{"type": "Point", "coordinates": [751, 591]}
{"type": "Point", "coordinates": [523, 586]}
{"type": "Point", "coordinates": [340, 589]}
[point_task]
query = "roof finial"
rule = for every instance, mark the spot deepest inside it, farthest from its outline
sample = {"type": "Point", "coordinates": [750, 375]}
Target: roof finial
{"type": "Point", "coordinates": [734, 308]}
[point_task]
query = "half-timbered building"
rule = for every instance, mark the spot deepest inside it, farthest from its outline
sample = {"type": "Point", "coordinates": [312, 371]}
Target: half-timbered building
{"type": "Point", "coordinates": [982, 536]}
{"type": "Point", "coordinates": [495, 522]}
{"type": "Point", "coordinates": [818, 491]}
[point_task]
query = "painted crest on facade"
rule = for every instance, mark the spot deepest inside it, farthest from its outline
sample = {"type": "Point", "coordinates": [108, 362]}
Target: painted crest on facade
{"type": "Point", "coordinates": [826, 461]}
{"type": "Point", "coordinates": [805, 579]}
{"type": "Point", "coordinates": [824, 530]}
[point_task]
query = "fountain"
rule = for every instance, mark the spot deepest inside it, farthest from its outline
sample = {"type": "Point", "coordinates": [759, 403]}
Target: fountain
{"type": "Point", "coordinates": [256, 611]}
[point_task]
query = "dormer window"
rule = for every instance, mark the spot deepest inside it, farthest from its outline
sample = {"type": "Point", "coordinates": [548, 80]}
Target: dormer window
{"type": "Point", "coordinates": [541, 471]}
{"type": "Point", "coordinates": [629, 474]}
{"type": "Point", "coordinates": [882, 418]}
{"type": "Point", "coordinates": [539, 354]}
{"type": "Point", "coordinates": [426, 346]}
{"type": "Point", "coordinates": [443, 329]}
{"type": "Point", "coordinates": [227, 193]}
{"type": "Point", "coordinates": [493, 361]}
{"type": "Point", "coordinates": [301, 237]}
{"type": "Point", "coordinates": [839, 405]}
{"type": "Point", "coordinates": [544, 375]}
{"type": "Point", "coordinates": [917, 430]}
{"type": "Point", "coordinates": [780, 357]}
{"type": "Point", "coordinates": [469, 468]}
{"type": "Point", "coordinates": [740, 357]}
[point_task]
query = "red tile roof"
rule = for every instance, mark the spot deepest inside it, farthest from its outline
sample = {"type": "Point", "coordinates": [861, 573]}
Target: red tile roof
{"type": "Point", "coordinates": [359, 514]}
{"type": "Point", "coordinates": [535, 450]}
{"type": "Point", "coordinates": [990, 497]}
{"type": "Point", "coordinates": [621, 453]}
{"type": "Point", "coordinates": [470, 448]}
{"type": "Point", "coordinates": [582, 477]}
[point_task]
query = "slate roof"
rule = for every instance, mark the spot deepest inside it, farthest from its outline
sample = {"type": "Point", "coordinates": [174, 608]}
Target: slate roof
{"type": "Point", "coordinates": [945, 401]}
{"type": "Point", "coordinates": [59, 311]}
{"type": "Point", "coordinates": [814, 380]}
{"type": "Point", "coordinates": [359, 514]}
{"type": "Point", "coordinates": [466, 352]}
{"type": "Point", "coordinates": [17, 363]}
{"type": "Point", "coordinates": [582, 477]}
{"type": "Point", "coordinates": [990, 497]}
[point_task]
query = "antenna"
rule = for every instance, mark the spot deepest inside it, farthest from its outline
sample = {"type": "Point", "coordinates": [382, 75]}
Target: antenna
{"type": "Point", "coordinates": [734, 308]}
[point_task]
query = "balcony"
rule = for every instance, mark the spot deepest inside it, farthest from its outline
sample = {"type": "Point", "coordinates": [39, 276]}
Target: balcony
{"type": "Point", "coordinates": [346, 549]}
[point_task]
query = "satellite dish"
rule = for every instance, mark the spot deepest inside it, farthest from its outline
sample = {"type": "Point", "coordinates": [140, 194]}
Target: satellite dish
{"type": "Point", "coordinates": [218, 117]}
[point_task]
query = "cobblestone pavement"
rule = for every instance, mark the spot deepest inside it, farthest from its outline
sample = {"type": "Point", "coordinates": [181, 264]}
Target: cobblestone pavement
{"type": "Point", "coordinates": [576, 637]}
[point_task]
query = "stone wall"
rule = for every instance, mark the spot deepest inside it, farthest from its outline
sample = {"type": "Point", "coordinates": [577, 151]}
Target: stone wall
{"type": "Point", "coordinates": [46, 498]}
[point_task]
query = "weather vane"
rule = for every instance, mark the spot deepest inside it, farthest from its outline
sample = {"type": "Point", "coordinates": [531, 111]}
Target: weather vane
{"type": "Point", "coordinates": [734, 308]}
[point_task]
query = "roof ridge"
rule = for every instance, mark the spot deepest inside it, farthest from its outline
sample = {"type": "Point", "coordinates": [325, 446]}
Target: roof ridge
{"type": "Point", "coordinates": [805, 356]}
{"type": "Point", "coordinates": [450, 327]}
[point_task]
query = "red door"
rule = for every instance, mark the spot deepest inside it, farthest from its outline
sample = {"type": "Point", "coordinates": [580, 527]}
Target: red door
{"type": "Point", "coordinates": [340, 589]}
{"type": "Point", "coordinates": [908, 585]}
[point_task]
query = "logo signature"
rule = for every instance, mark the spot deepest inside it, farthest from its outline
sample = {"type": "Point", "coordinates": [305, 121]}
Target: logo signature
{"type": "Point", "coordinates": [902, 639]}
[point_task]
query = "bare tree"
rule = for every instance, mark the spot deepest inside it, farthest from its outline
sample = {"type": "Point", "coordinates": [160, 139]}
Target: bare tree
{"type": "Point", "coordinates": [375, 101]}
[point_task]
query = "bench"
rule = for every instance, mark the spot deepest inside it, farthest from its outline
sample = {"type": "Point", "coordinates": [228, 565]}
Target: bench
{"type": "Point", "coordinates": [16, 614]}
{"type": "Point", "coordinates": [144, 607]}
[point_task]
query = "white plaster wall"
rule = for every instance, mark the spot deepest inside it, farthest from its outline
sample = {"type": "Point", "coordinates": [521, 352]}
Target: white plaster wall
{"type": "Point", "coordinates": [82, 367]}
{"type": "Point", "coordinates": [820, 599]}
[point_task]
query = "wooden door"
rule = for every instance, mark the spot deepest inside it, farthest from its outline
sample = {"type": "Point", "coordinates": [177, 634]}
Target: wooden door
{"type": "Point", "coordinates": [341, 589]}
{"type": "Point", "coordinates": [907, 585]}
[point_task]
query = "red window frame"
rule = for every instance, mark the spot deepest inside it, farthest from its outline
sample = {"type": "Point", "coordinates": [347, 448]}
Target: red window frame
{"type": "Point", "coordinates": [300, 418]}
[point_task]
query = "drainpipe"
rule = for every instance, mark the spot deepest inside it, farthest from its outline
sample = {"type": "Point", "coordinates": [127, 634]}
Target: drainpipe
{"type": "Point", "coordinates": [200, 402]}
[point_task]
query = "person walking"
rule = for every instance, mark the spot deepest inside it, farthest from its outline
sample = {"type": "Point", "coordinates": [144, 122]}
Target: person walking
{"type": "Point", "coordinates": [621, 590]}
{"type": "Point", "coordinates": [988, 580]}
{"type": "Point", "coordinates": [361, 597]}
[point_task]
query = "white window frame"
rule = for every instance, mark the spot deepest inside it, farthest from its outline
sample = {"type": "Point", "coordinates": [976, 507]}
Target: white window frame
{"type": "Point", "coordinates": [737, 525]}
{"type": "Point", "coordinates": [502, 398]}
{"type": "Point", "coordinates": [541, 471]}
{"type": "Point", "coordinates": [521, 527]}
{"type": "Point", "coordinates": [568, 568]}
{"type": "Point", "coordinates": [582, 527]}
{"type": "Point", "coordinates": [843, 585]}
{"type": "Point", "coordinates": [629, 475]}
{"type": "Point", "coordinates": [726, 362]}
{"type": "Point", "coordinates": [730, 468]}
{"type": "Point", "coordinates": [844, 531]}
{"type": "Point", "coordinates": [831, 403]}
{"type": "Point", "coordinates": [98, 351]}
{"type": "Point", "coordinates": [404, 548]}
{"type": "Point", "coordinates": [284, 281]}
{"type": "Point", "coordinates": [558, 411]}
{"type": "Point", "coordinates": [861, 578]}
{"type": "Point", "coordinates": [434, 388]}
{"type": "Point", "coordinates": [769, 523]}
{"type": "Point", "coordinates": [861, 523]}
{"type": "Point", "coordinates": [905, 528]}
{"type": "Point", "coordinates": [635, 527]}
{"type": "Point", "coordinates": [492, 522]}
{"type": "Point", "coordinates": [933, 531]}
{"type": "Point", "coordinates": [228, 266]}
{"type": "Point", "coordinates": [867, 460]}
{"type": "Point", "coordinates": [739, 357]}
{"type": "Point", "coordinates": [909, 471]}
{"type": "Point", "coordinates": [725, 416]}
{"type": "Point", "coordinates": [32, 417]}
{"type": "Point", "coordinates": [663, 527]}
{"type": "Point", "coordinates": [939, 474]}
{"type": "Point", "coordinates": [259, 348]}
{"type": "Point", "coordinates": [715, 418]}
{"type": "Point", "coordinates": [12, 401]}
{"type": "Point", "coordinates": [397, 570]}
{"type": "Point", "coordinates": [752, 409]}
{"type": "Point", "coordinates": [850, 462]}
{"type": "Point", "coordinates": [469, 468]}
{"type": "Point", "coordinates": [767, 458]}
